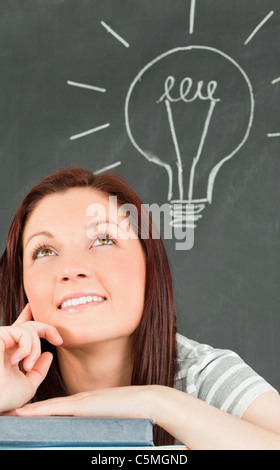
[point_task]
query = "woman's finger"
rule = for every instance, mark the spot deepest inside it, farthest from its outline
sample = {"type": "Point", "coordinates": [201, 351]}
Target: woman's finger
{"type": "Point", "coordinates": [24, 340]}
{"type": "Point", "coordinates": [46, 331]}
{"type": "Point", "coordinates": [27, 340]}
{"type": "Point", "coordinates": [40, 370]}
{"type": "Point", "coordinates": [17, 339]}
{"type": "Point", "coordinates": [45, 408]}
{"type": "Point", "coordinates": [110, 402]}
{"type": "Point", "coordinates": [25, 316]}
{"type": "Point", "coordinates": [35, 331]}
{"type": "Point", "coordinates": [55, 406]}
{"type": "Point", "coordinates": [35, 351]}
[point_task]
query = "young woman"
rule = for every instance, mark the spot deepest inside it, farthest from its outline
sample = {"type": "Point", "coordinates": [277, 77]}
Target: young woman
{"type": "Point", "coordinates": [88, 325]}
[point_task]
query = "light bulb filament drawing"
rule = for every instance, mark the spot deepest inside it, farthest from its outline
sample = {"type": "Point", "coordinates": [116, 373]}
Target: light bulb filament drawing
{"type": "Point", "coordinates": [185, 89]}
{"type": "Point", "coordinates": [187, 217]}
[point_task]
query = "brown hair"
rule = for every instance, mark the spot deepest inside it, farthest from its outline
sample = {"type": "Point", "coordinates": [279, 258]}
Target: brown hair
{"type": "Point", "coordinates": [154, 338]}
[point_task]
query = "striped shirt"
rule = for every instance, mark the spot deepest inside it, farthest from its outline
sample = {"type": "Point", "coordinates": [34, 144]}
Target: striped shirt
{"type": "Point", "coordinates": [217, 376]}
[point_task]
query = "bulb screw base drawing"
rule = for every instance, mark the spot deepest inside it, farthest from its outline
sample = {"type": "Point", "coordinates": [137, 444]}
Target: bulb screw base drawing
{"type": "Point", "coordinates": [185, 213]}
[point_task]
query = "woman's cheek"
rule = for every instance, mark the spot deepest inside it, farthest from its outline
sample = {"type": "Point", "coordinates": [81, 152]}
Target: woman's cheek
{"type": "Point", "coordinates": [38, 296]}
{"type": "Point", "coordinates": [129, 282]}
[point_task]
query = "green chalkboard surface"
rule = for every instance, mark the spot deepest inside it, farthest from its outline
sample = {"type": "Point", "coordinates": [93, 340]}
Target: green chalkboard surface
{"type": "Point", "coordinates": [182, 98]}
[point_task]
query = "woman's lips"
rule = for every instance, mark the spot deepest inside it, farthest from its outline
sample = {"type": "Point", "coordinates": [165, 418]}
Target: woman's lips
{"type": "Point", "coordinates": [80, 302]}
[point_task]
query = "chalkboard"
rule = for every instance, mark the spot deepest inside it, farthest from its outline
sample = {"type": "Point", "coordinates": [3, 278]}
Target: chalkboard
{"type": "Point", "coordinates": [181, 97]}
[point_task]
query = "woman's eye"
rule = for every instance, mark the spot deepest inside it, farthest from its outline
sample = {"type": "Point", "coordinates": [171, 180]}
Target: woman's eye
{"type": "Point", "coordinates": [103, 240]}
{"type": "Point", "coordinates": [44, 252]}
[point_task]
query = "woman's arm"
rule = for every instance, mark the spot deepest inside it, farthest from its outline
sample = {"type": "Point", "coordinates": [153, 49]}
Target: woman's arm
{"type": "Point", "coordinates": [202, 426]}
{"type": "Point", "coordinates": [265, 411]}
{"type": "Point", "coordinates": [190, 420]}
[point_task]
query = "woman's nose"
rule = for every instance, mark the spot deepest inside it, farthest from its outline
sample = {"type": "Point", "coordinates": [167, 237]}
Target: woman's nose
{"type": "Point", "coordinates": [72, 271]}
{"type": "Point", "coordinates": [72, 276]}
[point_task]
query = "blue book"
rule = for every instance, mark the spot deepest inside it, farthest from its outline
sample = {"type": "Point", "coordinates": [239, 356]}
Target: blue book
{"type": "Point", "coordinates": [69, 431]}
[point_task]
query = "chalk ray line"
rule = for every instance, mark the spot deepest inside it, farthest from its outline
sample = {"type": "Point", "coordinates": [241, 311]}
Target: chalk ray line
{"type": "Point", "coordinates": [192, 15]}
{"type": "Point", "coordinates": [276, 80]}
{"type": "Point", "coordinates": [90, 131]}
{"type": "Point", "coordinates": [273, 134]}
{"type": "Point", "coordinates": [116, 35]}
{"type": "Point", "coordinates": [105, 168]}
{"type": "Point", "coordinates": [84, 85]}
{"type": "Point", "coordinates": [266, 18]}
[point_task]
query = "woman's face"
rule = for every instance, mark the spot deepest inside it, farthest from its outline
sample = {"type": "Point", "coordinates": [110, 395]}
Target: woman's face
{"type": "Point", "coordinates": [91, 289]}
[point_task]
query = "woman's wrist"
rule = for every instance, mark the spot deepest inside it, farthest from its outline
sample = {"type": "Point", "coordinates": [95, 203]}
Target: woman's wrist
{"type": "Point", "coordinates": [165, 408]}
{"type": "Point", "coordinates": [154, 397]}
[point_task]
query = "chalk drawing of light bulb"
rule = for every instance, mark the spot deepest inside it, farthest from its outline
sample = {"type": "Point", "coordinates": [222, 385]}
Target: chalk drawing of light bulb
{"type": "Point", "coordinates": [190, 110]}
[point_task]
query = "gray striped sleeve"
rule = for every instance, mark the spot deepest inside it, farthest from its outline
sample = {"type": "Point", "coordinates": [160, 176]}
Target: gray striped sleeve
{"type": "Point", "coordinates": [216, 376]}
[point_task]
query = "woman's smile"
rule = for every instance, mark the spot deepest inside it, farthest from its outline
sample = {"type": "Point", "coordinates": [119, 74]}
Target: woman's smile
{"type": "Point", "coordinates": [80, 301]}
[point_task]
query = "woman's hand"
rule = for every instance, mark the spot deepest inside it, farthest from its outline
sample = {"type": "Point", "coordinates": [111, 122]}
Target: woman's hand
{"type": "Point", "coordinates": [21, 342]}
{"type": "Point", "coordinates": [120, 402]}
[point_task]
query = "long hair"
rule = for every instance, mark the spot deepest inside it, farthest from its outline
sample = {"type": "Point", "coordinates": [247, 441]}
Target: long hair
{"type": "Point", "coordinates": [154, 341]}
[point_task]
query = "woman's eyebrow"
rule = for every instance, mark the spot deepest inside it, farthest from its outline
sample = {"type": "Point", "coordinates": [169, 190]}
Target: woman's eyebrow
{"type": "Point", "coordinates": [37, 234]}
{"type": "Point", "coordinates": [91, 226]}
{"type": "Point", "coordinates": [93, 223]}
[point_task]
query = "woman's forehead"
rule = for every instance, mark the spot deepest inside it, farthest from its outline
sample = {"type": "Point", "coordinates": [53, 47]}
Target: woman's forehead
{"type": "Point", "coordinates": [62, 205]}
{"type": "Point", "coordinates": [81, 206]}
{"type": "Point", "coordinates": [67, 201]}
